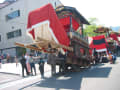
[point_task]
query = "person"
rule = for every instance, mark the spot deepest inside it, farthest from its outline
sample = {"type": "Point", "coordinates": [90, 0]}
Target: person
{"type": "Point", "coordinates": [52, 62]}
{"type": "Point", "coordinates": [27, 57]}
{"type": "Point", "coordinates": [118, 48]}
{"type": "Point", "coordinates": [104, 58]}
{"type": "Point", "coordinates": [62, 58]}
{"type": "Point", "coordinates": [114, 58]}
{"type": "Point", "coordinates": [32, 64]}
{"type": "Point", "coordinates": [23, 64]}
{"type": "Point", "coordinates": [16, 61]}
{"type": "Point", "coordinates": [110, 58]}
{"type": "Point", "coordinates": [95, 54]}
{"type": "Point", "coordinates": [8, 58]}
{"type": "Point", "coordinates": [41, 65]}
{"type": "Point", "coordinates": [0, 61]}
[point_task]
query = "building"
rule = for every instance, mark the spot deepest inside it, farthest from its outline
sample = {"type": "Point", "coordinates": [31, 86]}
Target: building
{"type": "Point", "coordinates": [6, 2]}
{"type": "Point", "coordinates": [13, 23]}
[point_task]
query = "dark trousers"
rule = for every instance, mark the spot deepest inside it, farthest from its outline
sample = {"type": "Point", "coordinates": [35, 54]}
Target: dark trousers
{"type": "Point", "coordinates": [24, 67]}
{"type": "Point", "coordinates": [96, 59]}
{"type": "Point", "coordinates": [41, 68]}
{"type": "Point", "coordinates": [118, 50]}
{"type": "Point", "coordinates": [62, 67]}
{"type": "Point", "coordinates": [53, 68]}
{"type": "Point", "coordinates": [32, 65]}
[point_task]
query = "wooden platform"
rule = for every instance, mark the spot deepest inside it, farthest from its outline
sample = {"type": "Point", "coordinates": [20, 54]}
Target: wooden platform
{"type": "Point", "coordinates": [44, 45]}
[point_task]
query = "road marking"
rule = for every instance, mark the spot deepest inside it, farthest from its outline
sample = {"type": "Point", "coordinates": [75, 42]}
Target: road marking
{"type": "Point", "coordinates": [3, 81]}
{"type": "Point", "coordinates": [9, 84]}
{"type": "Point", "coordinates": [18, 82]}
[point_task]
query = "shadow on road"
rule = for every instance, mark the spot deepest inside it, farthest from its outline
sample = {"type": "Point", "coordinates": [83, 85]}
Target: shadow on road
{"type": "Point", "coordinates": [68, 81]}
{"type": "Point", "coordinates": [97, 72]}
{"type": "Point", "coordinates": [71, 80]}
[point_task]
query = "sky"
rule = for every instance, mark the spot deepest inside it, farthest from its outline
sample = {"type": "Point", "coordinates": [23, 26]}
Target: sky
{"type": "Point", "coordinates": [106, 11]}
{"type": "Point", "coordinates": [1, 1]}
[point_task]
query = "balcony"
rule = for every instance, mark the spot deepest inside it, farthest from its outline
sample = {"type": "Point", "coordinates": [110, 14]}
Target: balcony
{"type": "Point", "coordinates": [78, 36]}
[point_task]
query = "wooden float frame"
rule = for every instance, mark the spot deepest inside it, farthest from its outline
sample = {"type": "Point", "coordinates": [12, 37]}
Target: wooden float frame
{"type": "Point", "coordinates": [37, 45]}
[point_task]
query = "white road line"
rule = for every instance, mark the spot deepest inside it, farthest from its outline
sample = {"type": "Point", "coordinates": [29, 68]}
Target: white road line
{"type": "Point", "coordinates": [18, 82]}
{"type": "Point", "coordinates": [9, 84]}
{"type": "Point", "coordinates": [2, 81]}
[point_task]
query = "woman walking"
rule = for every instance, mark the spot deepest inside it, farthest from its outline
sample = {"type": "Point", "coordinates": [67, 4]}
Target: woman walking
{"type": "Point", "coordinates": [27, 57]}
{"type": "Point", "coordinates": [16, 61]}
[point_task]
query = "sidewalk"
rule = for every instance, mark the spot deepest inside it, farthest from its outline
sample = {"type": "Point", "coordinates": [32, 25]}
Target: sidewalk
{"type": "Point", "coordinates": [11, 68]}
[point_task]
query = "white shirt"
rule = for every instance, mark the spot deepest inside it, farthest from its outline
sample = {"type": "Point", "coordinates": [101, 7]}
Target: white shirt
{"type": "Point", "coordinates": [27, 58]}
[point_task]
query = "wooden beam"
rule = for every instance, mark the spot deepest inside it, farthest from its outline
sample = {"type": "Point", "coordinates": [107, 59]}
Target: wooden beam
{"type": "Point", "coordinates": [57, 45]}
{"type": "Point", "coordinates": [27, 46]}
{"type": "Point", "coordinates": [33, 48]}
{"type": "Point", "coordinates": [34, 43]}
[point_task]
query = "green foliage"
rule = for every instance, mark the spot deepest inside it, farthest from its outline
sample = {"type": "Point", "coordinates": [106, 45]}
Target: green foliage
{"type": "Point", "coordinates": [93, 21]}
{"type": "Point", "coordinates": [88, 31]}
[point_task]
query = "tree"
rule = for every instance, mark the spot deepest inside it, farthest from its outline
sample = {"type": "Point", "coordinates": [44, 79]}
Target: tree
{"type": "Point", "coordinates": [89, 29]}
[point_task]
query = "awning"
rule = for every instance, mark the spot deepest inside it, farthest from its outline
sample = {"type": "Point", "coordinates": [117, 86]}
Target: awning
{"type": "Point", "coordinates": [66, 10]}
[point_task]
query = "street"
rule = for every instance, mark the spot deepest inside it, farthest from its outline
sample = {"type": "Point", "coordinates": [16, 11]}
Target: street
{"type": "Point", "coordinates": [7, 77]}
{"type": "Point", "coordinates": [59, 45]}
{"type": "Point", "coordinates": [100, 77]}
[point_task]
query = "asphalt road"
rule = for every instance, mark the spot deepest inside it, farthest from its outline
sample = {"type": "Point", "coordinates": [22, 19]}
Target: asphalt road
{"type": "Point", "coordinates": [100, 77]}
{"type": "Point", "coordinates": [8, 77]}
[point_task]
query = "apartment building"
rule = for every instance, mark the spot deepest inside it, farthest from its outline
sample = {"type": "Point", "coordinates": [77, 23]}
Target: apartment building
{"type": "Point", "coordinates": [13, 23]}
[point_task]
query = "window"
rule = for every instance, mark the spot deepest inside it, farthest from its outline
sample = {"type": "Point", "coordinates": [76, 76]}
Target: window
{"type": "Point", "coordinates": [14, 34]}
{"type": "Point", "coordinates": [13, 15]}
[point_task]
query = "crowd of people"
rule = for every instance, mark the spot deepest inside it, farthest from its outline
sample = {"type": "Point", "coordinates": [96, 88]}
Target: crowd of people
{"type": "Point", "coordinates": [28, 61]}
{"type": "Point", "coordinates": [28, 64]}
{"type": "Point", "coordinates": [104, 57]}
